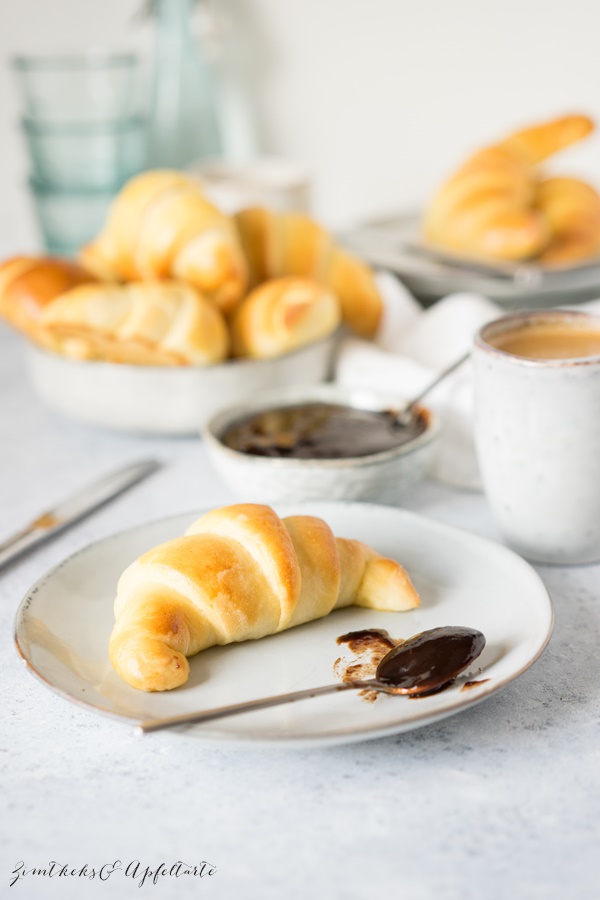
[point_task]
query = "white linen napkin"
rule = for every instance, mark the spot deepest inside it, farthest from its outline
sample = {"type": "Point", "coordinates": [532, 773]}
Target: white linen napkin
{"type": "Point", "coordinates": [412, 346]}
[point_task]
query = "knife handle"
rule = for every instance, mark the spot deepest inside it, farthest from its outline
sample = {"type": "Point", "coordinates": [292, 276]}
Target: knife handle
{"type": "Point", "coordinates": [74, 508]}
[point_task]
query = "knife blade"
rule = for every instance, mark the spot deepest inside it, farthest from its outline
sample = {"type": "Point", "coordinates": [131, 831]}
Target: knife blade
{"type": "Point", "coordinates": [75, 507]}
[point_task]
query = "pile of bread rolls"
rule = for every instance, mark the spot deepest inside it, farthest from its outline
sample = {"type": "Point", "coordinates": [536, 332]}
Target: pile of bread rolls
{"type": "Point", "coordinates": [500, 205]}
{"type": "Point", "coordinates": [171, 280]}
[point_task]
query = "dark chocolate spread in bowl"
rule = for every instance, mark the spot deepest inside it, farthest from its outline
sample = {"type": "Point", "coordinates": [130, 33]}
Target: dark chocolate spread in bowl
{"type": "Point", "coordinates": [322, 431]}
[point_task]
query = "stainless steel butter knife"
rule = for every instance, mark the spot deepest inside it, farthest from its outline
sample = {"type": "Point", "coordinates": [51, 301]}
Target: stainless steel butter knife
{"type": "Point", "coordinates": [74, 508]}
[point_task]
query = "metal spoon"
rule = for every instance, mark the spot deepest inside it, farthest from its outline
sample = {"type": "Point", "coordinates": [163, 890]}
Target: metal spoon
{"type": "Point", "coordinates": [403, 416]}
{"type": "Point", "coordinates": [423, 664]}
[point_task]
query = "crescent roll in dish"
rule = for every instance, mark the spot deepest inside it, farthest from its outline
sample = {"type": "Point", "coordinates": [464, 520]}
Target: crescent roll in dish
{"type": "Point", "coordinates": [149, 323]}
{"type": "Point", "coordinates": [161, 226]}
{"type": "Point", "coordinates": [284, 244]}
{"type": "Point", "coordinates": [29, 283]}
{"type": "Point", "coordinates": [572, 209]}
{"type": "Point", "coordinates": [281, 315]}
{"type": "Point", "coordinates": [240, 573]}
{"type": "Point", "coordinates": [488, 208]}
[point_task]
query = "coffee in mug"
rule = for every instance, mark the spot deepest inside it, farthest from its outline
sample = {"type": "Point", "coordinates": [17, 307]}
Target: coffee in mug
{"type": "Point", "coordinates": [549, 339]}
{"type": "Point", "coordinates": [537, 431]}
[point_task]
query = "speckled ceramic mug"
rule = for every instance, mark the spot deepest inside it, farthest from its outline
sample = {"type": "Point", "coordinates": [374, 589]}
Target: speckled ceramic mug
{"type": "Point", "coordinates": [537, 430]}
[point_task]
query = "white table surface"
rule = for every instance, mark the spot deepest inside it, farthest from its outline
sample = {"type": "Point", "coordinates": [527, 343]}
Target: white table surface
{"type": "Point", "coordinates": [501, 801]}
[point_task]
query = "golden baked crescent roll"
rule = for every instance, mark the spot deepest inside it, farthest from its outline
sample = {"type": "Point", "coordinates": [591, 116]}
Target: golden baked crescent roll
{"type": "Point", "coordinates": [283, 244]}
{"type": "Point", "coordinates": [305, 247]}
{"type": "Point", "coordinates": [572, 209]}
{"type": "Point", "coordinates": [161, 226]}
{"type": "Point", "coordinates": [261, 243]}
{"type": "Point", "coordinates": [113, 253]}
{"type": "Point", "coordinates": [281, 315]}
{"type": "Point", "coordinates": [238, 574]}
{"type": "Point", "coordinates": [308, 250]}
{"type": "Point", "coordinates": [93, 258]}
{"type": "Point", "coordinates": [29, 283]}
{"type": "Point", "coordinates": [150, 323]}
{"type": "Point", "coordinates": [487, 208]}
{"type": "Point", "coordinates": [354, 284]}
{"type": "Point", "coordinates": [537, 143]}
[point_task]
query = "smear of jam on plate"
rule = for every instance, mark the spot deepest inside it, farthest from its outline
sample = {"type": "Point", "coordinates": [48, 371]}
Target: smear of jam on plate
{"type": "Point", "coordinates": [369, 646]}
{"type": "Point", "coordinates": [469, 685]}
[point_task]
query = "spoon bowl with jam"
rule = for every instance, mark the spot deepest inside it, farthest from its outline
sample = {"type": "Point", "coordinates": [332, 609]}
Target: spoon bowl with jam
{"type": "Point", "coordinates": [322, 442]}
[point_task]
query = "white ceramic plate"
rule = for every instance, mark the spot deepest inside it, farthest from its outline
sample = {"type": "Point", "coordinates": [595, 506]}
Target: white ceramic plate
{"type": "Point", "coordinates": [63, 626]}
{"type": "Point", "coordinates": [387, 243]}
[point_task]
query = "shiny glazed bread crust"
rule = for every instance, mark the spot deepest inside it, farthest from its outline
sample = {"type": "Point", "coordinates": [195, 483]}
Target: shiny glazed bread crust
{"type": "Point", "coordinates": [240, 573]}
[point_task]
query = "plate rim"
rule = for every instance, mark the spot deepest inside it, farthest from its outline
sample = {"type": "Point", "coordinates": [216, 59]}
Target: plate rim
{"type": "Point", "coordinates": [411, 219]}
{"type": "Point", "coordinates": [431, 284]}
{"type": "Point", "coordinates": [293, 741]}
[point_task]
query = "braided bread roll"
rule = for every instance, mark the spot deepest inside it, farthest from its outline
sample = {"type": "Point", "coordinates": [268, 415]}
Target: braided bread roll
{"type": "Point", "coordinates": [238, 574]}
{"type": "Point", "coordinates": [487, 208]}
{"type": "Point", "coordinates": [161, 226]}
{"type": "Point", "coordinates": [283, 244]}
{"type": "Point", "coordinates": [150, 323]}
{"type": "Point", "coordinates": [29, 283]}
{"type": "Point", "coordinates": [281, 315]}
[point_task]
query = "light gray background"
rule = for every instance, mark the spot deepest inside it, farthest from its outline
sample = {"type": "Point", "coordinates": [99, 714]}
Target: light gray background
{"type": "Point", "coordinates": [379, 98]}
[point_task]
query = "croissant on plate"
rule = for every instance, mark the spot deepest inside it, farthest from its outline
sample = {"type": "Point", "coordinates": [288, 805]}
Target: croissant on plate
{"type": "Point", "coordinates": [572, 209]}
{"type": "Point", "coordinates": [29, 283]}
{"type": "Point", "coordinates": [489, 208]}
{"type": "Point", "coordinates": [149, 323]}
{"type": "Point", "coordinates": [281, 315]}
{"type": "Point", "coordinates": [283, 244]}
{"type": "Point", "coordinates": [238, 574]}
{"type": "Point", "coordinates": [161, 226]}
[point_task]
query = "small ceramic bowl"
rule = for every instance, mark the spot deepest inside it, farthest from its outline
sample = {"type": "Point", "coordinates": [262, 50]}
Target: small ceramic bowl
{"type": "Point", "coordinates": [167, 400]}
{"type": "Point", "coordinates": [383, 477]}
